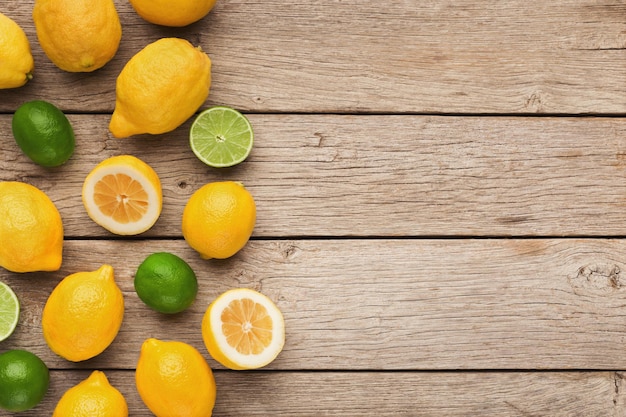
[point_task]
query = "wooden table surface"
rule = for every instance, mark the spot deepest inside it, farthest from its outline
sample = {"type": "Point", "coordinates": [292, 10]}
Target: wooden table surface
{"type": "Point", "coordinates": [441, 205]}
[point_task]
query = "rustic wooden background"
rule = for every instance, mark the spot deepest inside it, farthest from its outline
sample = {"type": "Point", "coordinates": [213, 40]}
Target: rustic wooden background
{"type": "Point", "coordinates": [441, 204]}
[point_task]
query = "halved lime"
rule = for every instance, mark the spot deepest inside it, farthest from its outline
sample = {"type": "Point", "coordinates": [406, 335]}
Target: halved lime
{"type": "Point", "coordinates": [9, 311]}
{"type": "Point", "coordinates": [221, 137]}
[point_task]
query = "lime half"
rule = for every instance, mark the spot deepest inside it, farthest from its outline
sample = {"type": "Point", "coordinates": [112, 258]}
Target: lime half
{"type": "Point", "coordinates": [221, 137]}
{"type": "Point", "coordinates": [9, 311]}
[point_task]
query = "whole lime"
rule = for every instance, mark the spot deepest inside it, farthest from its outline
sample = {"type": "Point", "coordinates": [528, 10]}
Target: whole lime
{"type": "Point", "coordinates": [166, 283]}
{"type": "Point", "coordinates": [24, 380]}
{"type": "Point", "coordinates": [43, 133]}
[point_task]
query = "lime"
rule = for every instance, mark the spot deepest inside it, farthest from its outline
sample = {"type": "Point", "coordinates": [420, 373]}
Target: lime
{"type": "Point", "coordinates": [9, 311]}
{"type": "Point", "coordinates": [24, 380]}
{"type": "Point", "coordinates": [166, 283]}
{"type": "Point", "coordinates": [43, 133]}
{"type": "Point", "coordinates": [221, 137]}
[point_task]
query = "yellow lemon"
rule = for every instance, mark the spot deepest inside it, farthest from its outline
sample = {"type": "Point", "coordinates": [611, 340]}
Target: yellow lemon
{"type": "Point", "coordinates": [78, 35]}
{"type": "Point", "coordinates": [218, 219]}
{"type": "Point", "coordinates": [83, 314]}
{"type": "Point", "coordinates": [174, 380]}
{"type": "Point", "coordinates": [123, 195]}
{"type": "Point", "coordinates": [160, 88]}
{"type": "Point", "coordinates": [31, 230]}
{"type": "Point", "coordinates": [93, 397]}
{"type": "Point", "coordinates": [15, 55]}
{"type": "Point", "coordinates": [172, 12]}
{"type": "Point", "coordinates": [243, 329]}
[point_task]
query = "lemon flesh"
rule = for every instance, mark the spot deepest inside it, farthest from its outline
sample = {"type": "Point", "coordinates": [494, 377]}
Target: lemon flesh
{"type": "Point", "coordinates": [15, 55]}
{"type": "Point", "coordinates": [243, 329]}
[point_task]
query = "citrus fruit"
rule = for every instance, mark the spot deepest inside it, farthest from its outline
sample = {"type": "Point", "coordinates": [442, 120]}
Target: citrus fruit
{"type": "Point", "coordinates": [31, 230]}
{"type": "Point", "coordinates": [243, 329]}
{"type": "Point", "coordinates": [92, 397]}
{"type": "Point", "coordinates": [174, 380]}
{"type": "Point", "coordinates": [83, 314]}
{"type": "Point", "coordinates": [9, 311]}
{"type": "Point", "coordinates": [24, 380]}
{"type": "Point", "coordinates": [123, 195]}
{"type": "Point", "coordinates": [78, 35]}
{"type": "Point", "coordinates": [172, 12]}
{"type": "Point", "coordinates": [166, 283]}
{"type": "Point", "coordinates": [221, 137]}
{"type": "Point", "coordinates": [15, 55]}
{"type": "Point", "coordinates": [218, 219]}
{"type": "Point", "coordinates": [43, 133]}
{"type": "Point", "coordinates": [160, 88]}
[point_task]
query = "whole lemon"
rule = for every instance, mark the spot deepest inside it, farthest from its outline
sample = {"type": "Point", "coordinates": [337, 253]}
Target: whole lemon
{"type": "Point", "coordinates": [172, 12]}
{"type": "Point", "coordinates": [218, 219]}
{"type": "Point", "coordinates": [160, 88]}
{"type": "Point", "coordinates": [31, 230]}
{"type": "Point", "coordinates": [78, 35]}
{"type": "Point", "coordinates": [43, 133]}
{"type": "Point", "coordinates": [15, 55]}
{"type": "Point", "coordinates": [92, 397]}
{"type": "Point", "coordinates": [83, 314]}
{"type": "Point", "coordinates": [174, 380]}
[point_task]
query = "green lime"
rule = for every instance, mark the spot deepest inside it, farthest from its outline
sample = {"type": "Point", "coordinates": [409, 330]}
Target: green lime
{"type": "Point", "coordinates": [221, 137]}
{"type": "Point", "coordinates": [166, 283]}
{"type": "Point", "coordinates": [9, 311]}
{"type": "Point", "coordinates": [24, 380]}
{"type": "Point", "coordinates": [43, 133]}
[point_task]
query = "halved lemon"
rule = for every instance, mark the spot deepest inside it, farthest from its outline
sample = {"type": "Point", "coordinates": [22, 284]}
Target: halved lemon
{"type": "Point", "coordinates": [243, 329]}
{"type": "Point", "coordinates": [123, 195]}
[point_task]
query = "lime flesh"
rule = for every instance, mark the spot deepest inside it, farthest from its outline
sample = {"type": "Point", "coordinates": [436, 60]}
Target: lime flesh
{"type": "Point", "coordinates": [221, 137]}
{"type": "Point", "coordinates": [9, 311]}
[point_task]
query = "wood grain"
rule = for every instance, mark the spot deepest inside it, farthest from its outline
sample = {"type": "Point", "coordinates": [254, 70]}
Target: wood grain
{"type": "Point", "coordinates": [557, 394]}
{"type": "Point", "coordinates": [469, 56]}
{"type": "Point", "coordinates": [329, 175]}
{"type": "Point", "coordinates": [381, 304]}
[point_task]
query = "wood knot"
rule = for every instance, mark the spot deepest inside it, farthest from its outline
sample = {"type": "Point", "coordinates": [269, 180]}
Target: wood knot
{"type": "Point", "coordinates": [597, 279]}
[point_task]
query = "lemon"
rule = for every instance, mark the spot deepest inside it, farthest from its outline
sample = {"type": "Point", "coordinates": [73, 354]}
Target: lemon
{"type": "Point", "coordinates": [43, 133]}
{"type": "Point", "coordinates": [174, 380]}
{"type": "Point", "coordinates": [83, 314]}
{"type": "Point", "coordinates": [78, 35]}
{"type": "Point", "coordinates": [24, 380]}
{"type": "Point", "coordinates": [218, 219]}
{"type": "Point", "coordinates": [160, 88]}
{"type": "Point", "coordinates": [166, 283]}
{"type": "Point", "coordinates": [31, 230]}
{"type": "Point", "coordinates": [123, 194]}
{"type": "Point", "coordinates": [243, 329]}
{"type": "Point", "coordinates": [15, 55]}
{"type": "Point", "coordinates": [172, 12]}
{"type": "Point", "coordinates": [92, 397]}
{"type": "Point", "coordinates": [9, 311]}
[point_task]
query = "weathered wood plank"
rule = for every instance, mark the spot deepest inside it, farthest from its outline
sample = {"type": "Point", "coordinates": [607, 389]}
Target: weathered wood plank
{"type": "Point", "coordinates": [585, 394]}
{"type": "Point", "coordinates": [325, 175]}
{"type": "Point", "coordinates": [381, 304]}
{"type": "Point", "coordinates": [510, 56]}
